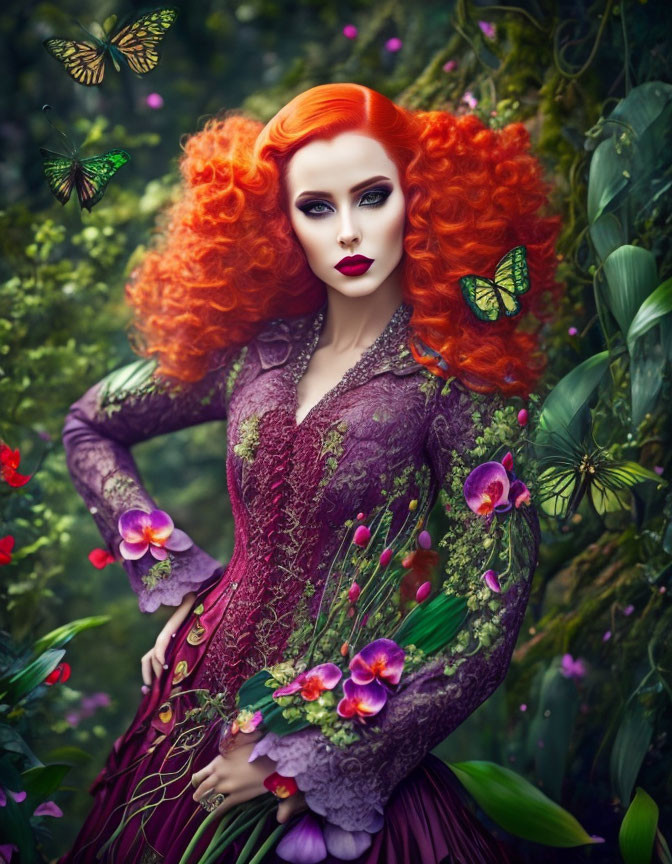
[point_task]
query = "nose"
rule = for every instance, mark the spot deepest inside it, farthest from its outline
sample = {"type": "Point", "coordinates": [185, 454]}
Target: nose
{"type": "Point", "coordinates": [348, 233]}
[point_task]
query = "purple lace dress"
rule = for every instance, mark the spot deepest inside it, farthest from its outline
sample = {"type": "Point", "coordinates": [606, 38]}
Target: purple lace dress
{"type": "Point", "coordinates": [390, 431]}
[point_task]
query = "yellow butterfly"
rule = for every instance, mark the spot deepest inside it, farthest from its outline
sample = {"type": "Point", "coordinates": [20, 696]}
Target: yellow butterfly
{"type": "Point", "coordinates": [489, 299]}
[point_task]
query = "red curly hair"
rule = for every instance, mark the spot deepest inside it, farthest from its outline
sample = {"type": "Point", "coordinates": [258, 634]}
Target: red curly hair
{"type": "Point", "coordinates": [228, 260]}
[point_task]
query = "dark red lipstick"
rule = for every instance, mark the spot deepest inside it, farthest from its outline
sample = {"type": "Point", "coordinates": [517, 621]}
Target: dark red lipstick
{"type": "Point", "coordinates": [354, 265]}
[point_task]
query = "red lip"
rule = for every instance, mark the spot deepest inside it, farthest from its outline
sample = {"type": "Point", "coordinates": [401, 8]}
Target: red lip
{"type": "Point", "coordinates": [354, 265]}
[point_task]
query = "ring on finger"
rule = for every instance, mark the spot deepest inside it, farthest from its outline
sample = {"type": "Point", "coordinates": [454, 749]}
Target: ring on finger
{"type": "Point", "coordinates": [211, 802]}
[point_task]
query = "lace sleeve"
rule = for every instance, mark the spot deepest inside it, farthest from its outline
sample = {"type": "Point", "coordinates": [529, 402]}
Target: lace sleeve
{"type": "Point", "coordinates": [129, 406]}
{"type": "Point", "coordinates": [350, 786]}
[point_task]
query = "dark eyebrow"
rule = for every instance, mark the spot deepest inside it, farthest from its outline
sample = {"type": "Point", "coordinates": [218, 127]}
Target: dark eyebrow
{"type": "Point", "coordinates": [354, 188]}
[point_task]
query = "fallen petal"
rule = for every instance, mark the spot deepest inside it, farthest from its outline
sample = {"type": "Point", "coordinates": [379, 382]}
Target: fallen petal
{"type": "Point", "coordinates": [345, 845]}
{"type": "Point", "coordinates": [304, 843]}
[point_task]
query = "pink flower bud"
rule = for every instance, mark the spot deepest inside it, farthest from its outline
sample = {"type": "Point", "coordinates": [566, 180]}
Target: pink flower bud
{"type": "Point", "coordinates": [350, 31]}
{"type": "Point", "coordinates": [522, 417]}
{"type": "Point", "coordinates": [507, 461]}
{"type": "Point", "coordinates": [361, 517]}
{"type": "Point", "coordinates": [394, 44]}
{"type": "Point", "coordinates": [361, 536]}
{"type": "Point", "coordinates": [492, 581]}
{"type": "Point", "coordinates": [354, 592]}
{"type": "Point", "coordinates": [450, 66]}
{"type": "Point", "coordinates": [386, 556]}
{"type": "Point", "coordinates": [423, 592]}
{"type": "Point", "coordinates": [425, 540]}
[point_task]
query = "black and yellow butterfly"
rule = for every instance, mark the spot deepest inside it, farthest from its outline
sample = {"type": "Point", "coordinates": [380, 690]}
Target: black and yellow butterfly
{"type": "Point", "coordinates": [489, 299]}
{"type": "Point", "coordinates": [89, 177]}
{"type": "Point", "coordinates": [577, 470]}
{"type": "Point", "coordinates": [135, 44]}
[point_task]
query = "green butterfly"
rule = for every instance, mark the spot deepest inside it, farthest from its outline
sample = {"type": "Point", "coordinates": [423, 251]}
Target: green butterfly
{"type": "Point", "coordinates": [89, 177]}
{"type": "Point", "coordinates": [577, 470]}
{"type": "Point", "coordinates": [489, 299]}
{"type": "Point", "coordinates": [135, 44]}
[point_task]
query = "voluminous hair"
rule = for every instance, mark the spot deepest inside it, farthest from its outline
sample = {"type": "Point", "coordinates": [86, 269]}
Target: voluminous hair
{"type": "Point", "coordinates": [226, 259]}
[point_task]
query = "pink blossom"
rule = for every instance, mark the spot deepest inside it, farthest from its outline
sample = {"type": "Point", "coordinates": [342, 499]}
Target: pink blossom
{"type": "Point", "coordinates": [350, 31]}
{"type": "Point", "coordinates": [155, 531]}
{"type": "Point", "coordinates": [487, 29]}
{"type": "Point", "coordinates": [523, 417]}
{"type": "Point", "coordinates": [572, 331]}
{"type": "Point", "coordinates": [386, 556]}
{"type": "Point", "coordinates": [361, 517]}
{"type": "Point", "coordinates": [469, 99]}
{"type": "Point", "coordinates": [425, 540]}
{"type": "Point", "coordinates": [507, 461]}
{"type": "Point", "coordinates": [393, 45]}
{"type": "Point", "coordinates": [450, 66]}
{"type": "Point", "coordinates": [354, 592]}
{"type": "Point", "coordinates": [361, 700]}
{"type": "Point", "coordinates": [629, 609]}
{"type": "Point", "coordinates": [523, 707]}
{"type": "Point", "coordinates": [154, 101]}
{"type": "Point", "coordinates": [607, 636]}
{"type": "Point", "coordinates": [658, 469]}
{"type": "Point", "coordinates": [572, 668]}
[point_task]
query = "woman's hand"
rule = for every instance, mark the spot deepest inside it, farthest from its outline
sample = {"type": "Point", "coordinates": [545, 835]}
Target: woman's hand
{"type": "Point", "coordinates": [155, 658]}
{"type": "Point", "coordinates": [241, 780]}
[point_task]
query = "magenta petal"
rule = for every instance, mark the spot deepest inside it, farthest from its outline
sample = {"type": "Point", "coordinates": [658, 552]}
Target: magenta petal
{"type": "Point", "coordinates": [304, 843]}
{"type": "Point", "coordinates": [18, 796]}
{"type": "Point", "coordinates": [6, 850]}
{"type": "Point", "coordinates": [162, 524]}
{"type": "Point", "coordinates": [132, 551]}
{"type": "Point", "coordinates": [179, 541]}
{"type": "Point", "coordinates": [132, 525]}
{"type": "Point", "coordinates": [328, 673]}
{"type": "Point", "coordinates": [345, 845]}
{"type": "Point", "coordinates": [293, 686]}
{"type": "Point", "coordinates": [48, 808]}
{"type": "Point", "coordinates": [492, 581]}
{"type": "Point", "coordinates": [486, 487]}
{"type": "Point", "coordinates": [360, 670]}
{"type": "Point", "coordinates": [519, 493]}
{"type": "Point", "coordinates": [158, 552]}
{"type": "Point", "coordinates": [384, 658]}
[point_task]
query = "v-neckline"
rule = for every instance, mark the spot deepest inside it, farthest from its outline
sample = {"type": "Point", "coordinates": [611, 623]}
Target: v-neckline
{"type": "Point", "coordinates": [302, 360]}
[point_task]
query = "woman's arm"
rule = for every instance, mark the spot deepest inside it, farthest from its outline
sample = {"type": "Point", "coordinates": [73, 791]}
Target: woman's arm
{"type": "Point", "coordinates": [127, 407]}
{"type": "Point", "coordinates": [350, 786]}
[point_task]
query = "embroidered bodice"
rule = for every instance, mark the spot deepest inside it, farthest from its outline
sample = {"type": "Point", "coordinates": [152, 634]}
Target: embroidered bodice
{"type": "Point", "coordinates": [389, 432]}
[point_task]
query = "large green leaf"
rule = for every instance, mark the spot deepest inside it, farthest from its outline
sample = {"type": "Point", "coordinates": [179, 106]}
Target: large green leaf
{"type": "Point", "coordinates": [607, 177]}
{"type": "Point", "coordinates": [646, 375]}
{"type": "Point", "coordinates": [638, 829]}
{"type": "Point", "coordinates": [518, 806]}
{"type": "Point", "coordinates": [16, 686]}
{"type": "Point", "coordinates": [59, 637]}
{"type": "Point", "coordinates": [640, 108]}
{"type": "Point", "coordinates": [570, 395]}
{"type": "Point", "coordinates": [607, 234]}
{"type": "Point", "coordinates": [630, 746]}
{"type": "Point", "coordinates": [631, 276]}
{"type": "Point", "coordinates": [432, 625]}
{"type": "Point", "coordinates": [131, 377]}
{"type": "Point", "coordinates": [655, 306]}
{"type": "Point", "coordinates": [15, 828]}
{"type": "Point", "coordinates": [551, 729]}
{"type": "Point", "coordinates": [43, 780]}
{"type": "Point", "coordinates": [12, 742]}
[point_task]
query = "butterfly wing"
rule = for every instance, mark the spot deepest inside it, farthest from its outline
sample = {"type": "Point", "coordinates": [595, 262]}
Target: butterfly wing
{"type": "Point", "coordinates": [60, 173]}
{"type": "Point", "coordinates": [93, 175]}
{"type": "Point", "coordinates": [512, 274]}
{"type": "Point", "coordinates": [482, 297]}
{"type": "Point", "coordinates": [138, 42]}
{"type": "Point", "coordinates": [82, 61]}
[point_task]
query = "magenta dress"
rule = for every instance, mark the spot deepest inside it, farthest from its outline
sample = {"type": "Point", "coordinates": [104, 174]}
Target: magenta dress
{"type": "Point", "coordinates": [389, 431]}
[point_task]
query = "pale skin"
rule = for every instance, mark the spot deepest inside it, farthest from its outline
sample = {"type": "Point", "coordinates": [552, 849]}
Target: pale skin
{"type": "Point", "coordinates": [359, 209]}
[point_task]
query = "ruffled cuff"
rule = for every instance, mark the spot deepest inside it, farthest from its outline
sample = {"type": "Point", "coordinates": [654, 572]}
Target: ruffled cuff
{"type": "Point", "coordinates": [333, 781]}
{"type": "Point", "coordinates": [167, 582]}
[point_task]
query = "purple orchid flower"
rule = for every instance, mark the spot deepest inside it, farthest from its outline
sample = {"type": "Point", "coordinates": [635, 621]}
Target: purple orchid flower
{"type": "Point", "coordinates": [381, 659]}
{"type": "Point", "coordinates": [312, 682]}
{"type": "Point", "coordinates": [361, 700]}
{"type": "Point", "coordinates": [492, 581]}
{"type": "Point", "coordinates": [304, 843]}
{"type": "Point", "coordinates": [155, 531]}
{"type": "Point", "coordinates": [6, 850]}
{"type": "Point", "coordinates": [486, 488]}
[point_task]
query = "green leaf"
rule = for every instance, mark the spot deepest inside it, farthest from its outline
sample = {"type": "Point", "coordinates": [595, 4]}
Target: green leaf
{"type": "Point", "coordinates": [638, 829]}
{"type": "Point", "coordinates": [59, 637]}
{"type": "Point", "coordinates": [432, 625]}
{"type": "Point", "coordinates": [641, 107]}
{"type": "Point", "coordinates": [607, 234]}
{"type": "Point", "coordinates": [518, 806]}
{"type": "Point", "coordinates": [553, 725]}
{"type": "Point", "coordinates": [655, 306]}
{"type": "Point", "coordinates": [43, 780]}
{"type": "Point", "coordinates": [629, 749]}
{"type": "Point", "coordinates": [571, 394]}
{"type": "Point", "coordinates": [15, 828]}
{"type": "Point", "coordinates": [14, 688]}
{"type": "Point", "coordinates": [69, 755]}
{"type": "Point", "coordinates": [127, 378]}
{"type": "Point", "coordinates": [631, 276]}
{"type": "Point", "coordinates": [11, 741]}
{"type": "Point", "coordinates": [606, 178]}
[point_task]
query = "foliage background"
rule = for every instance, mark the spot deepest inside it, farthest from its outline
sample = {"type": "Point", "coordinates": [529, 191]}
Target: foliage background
{"type": "Point", "coordinates": [557, 66]}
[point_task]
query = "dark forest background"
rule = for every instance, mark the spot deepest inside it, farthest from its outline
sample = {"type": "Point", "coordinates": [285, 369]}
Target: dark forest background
{"type": "Point", "coordinates": [603, 588]}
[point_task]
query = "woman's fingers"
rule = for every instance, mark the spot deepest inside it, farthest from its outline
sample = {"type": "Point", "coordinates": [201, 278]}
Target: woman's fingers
{"type": "Point", "coordinates": [199, 776]}
{"type": "Point", "coordinates": [289, 806]}
{"type": "Point", "coordinates": [208, 785]}
{"type": "Point", "coordinates": [146, 665]}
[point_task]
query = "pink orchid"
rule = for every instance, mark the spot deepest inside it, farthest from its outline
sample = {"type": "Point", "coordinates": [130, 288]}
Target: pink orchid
{"type": "Point", "coordinates": [155, 531]}
{"type": "Point", "coordinates": [487, 29]}
{"type": "Point", "coordinates": [361, 700]}
{"type": "Point", "coordinates": [572, 668]}
{"type": "Point", "coordinates": [469, 99]}
{"type": "Point", "coordinates": [486, 488]}
{"type": "Point", "coordinates": [381, 660]}
{"type": "Point", "coordinates": [311, 683]}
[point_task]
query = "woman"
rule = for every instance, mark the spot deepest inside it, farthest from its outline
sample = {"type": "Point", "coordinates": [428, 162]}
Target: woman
{"type": "Point", "coordinates": [306, 289]}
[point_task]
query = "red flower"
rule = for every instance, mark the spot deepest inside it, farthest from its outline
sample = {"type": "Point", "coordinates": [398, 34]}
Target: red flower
{"type": "Point", "coordinates": [59, 675]}
{"type": "Point", "coordinates": [6, 546]}
{"type": "Point", "coordinates": [9, 462]}
{"type": "Point", "coordinates": [281, 787]}
{"type": "Point", "coordinates": [101, 558]}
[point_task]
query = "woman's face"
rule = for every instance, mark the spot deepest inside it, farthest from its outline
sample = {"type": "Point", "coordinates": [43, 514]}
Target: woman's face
{"type": "Point", "coordinates": [345, 201]}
